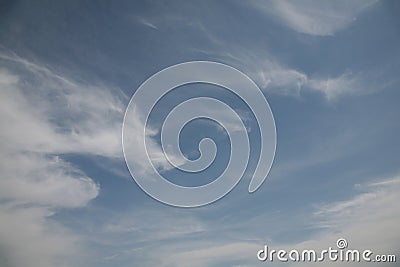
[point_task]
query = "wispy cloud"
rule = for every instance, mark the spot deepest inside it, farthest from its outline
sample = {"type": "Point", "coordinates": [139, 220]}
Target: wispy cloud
{"type": "Point", "coordinates": [62, 116]}
{"type": "Point", "coordinates": [147, 23]}
{"type": "Point", "coordinates": [346, 83]}
{"type": "Point", "coordinates": [314, 17]}
{"type": "Point", "coordinates": [43, 116]}
{"type": "Point", "coordinates": [275, 77]}
{"type": "Point", "coordinates": [279, 79]}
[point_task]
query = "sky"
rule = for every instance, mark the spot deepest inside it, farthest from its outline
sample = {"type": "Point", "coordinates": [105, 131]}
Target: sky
{"type": "Point", "coordinates": [329, 70]}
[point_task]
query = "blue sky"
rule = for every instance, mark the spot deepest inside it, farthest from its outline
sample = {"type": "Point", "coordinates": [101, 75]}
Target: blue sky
{"type": "Point", "coordinates": [329, 70]}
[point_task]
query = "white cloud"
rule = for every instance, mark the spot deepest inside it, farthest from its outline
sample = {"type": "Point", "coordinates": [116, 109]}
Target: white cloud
{"type": "Point", "coordinates": [345, 84]}
{"type": "Point", "coordinates": [48, 113]}
{"type": "Point", "coordinates": [279, 79]}
{"type": "Point", "coordinates": [28, 237]}
{"type": "Point", "coordinates": [44, 115]}
{"type": "Point", "coordinates": [314, 17]}
{"type": "Point", "coordinates": [155, 152]}
{"type": "Point", "coordinates": [44, 180]}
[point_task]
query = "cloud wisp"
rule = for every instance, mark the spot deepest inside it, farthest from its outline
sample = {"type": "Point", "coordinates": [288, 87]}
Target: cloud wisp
{"type": "Point", "coordinates": [321, 18]}
{"type": "Point", "coordinates": [44, 116]}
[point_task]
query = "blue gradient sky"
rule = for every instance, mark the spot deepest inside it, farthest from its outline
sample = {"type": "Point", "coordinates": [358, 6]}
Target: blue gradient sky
{"type": "Point", "coordinates": [329, 69]}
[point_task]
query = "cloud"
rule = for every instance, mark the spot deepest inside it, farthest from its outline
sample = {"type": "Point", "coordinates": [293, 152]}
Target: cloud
{"type": "Point", "coordinates": [30, 140]}
{"type": "Point", "coordinates": [273, 76]}
{"type": "Point", "coordinates": [314, 17]}
{"type": "Point", "coordinates": [47, 113]}
{"type": "Point", "coordinates": [346, 83]}
{"type": "Point", "coordinates": [131, 237]}
{"type": "Point", "coordinates": [147, 23]}
{"type": "Point", "coordinates": [214, 255]}
{"type": "Point", "coordinates": [369, 220]}
{"type": "Point", "coordinates": [30, 238]}
{"type": "Point", "coordinates": [155, 153]}
{"type": "Point", "coordinates": [276, 78]}
{"type": "Point", "coordinates": [166, 225]}
{"type": "Point", "coordinates": [37, 179]}
{"type": "Point", "coordinates": [43, 116]}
